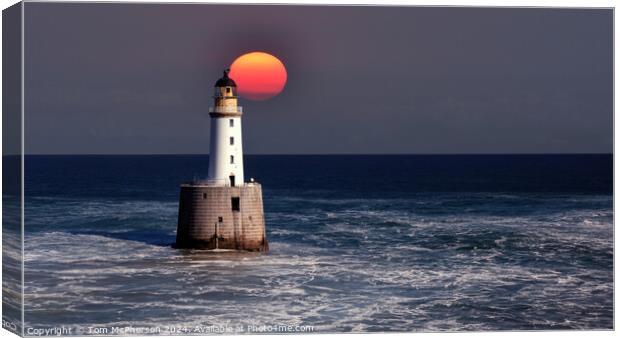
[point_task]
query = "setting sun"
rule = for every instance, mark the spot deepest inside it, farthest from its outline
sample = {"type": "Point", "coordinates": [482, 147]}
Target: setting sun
{"type": "Point", "coordinates": [259, 76]}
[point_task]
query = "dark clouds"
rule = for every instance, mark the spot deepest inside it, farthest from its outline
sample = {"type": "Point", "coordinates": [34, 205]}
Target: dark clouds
{"type": "Point", "coordinates": [137, 78]}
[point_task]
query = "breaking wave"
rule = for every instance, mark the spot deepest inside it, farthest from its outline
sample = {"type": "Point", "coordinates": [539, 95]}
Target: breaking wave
{"type": "Point", "coordinates": [429, 263]}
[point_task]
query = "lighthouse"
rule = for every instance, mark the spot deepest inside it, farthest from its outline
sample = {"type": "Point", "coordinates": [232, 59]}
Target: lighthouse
{"type": "Point", "coordinates": [223, 211]}
{"type": "Point", "coordinates": [225, 151]}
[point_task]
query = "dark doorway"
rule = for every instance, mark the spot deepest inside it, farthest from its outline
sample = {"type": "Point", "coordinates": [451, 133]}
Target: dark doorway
{"type": "Point", "coordinates": [235, 204]}
{"type": "Point", "coordinates": [232, 180]}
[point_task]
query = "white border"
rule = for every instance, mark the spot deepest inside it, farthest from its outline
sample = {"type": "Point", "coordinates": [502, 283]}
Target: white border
{"type": "Point", "coordinates": [471, 3]}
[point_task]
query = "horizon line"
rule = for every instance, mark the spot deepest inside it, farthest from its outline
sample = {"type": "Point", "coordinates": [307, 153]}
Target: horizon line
{"type": "Point", "coordinates": [316, 154]}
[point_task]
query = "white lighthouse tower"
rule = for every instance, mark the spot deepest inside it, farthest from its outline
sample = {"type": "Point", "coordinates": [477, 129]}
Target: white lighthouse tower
{"type": "Point", "coordinates": [223, 212]}
{"type": "Point", "coordinates": [226, 147]}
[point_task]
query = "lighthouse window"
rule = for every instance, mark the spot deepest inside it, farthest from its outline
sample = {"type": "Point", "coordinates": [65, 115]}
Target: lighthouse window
{"type": "Point", "coordinates": [232, 159]}
{"type": "Point", "coordinates": [227, 90]}
{"type": "Point", "coordinates": [232, 140]}
{"type": "Point", "coordinates": [235, 203]}
{"type": "Point", "coordinates": [231, 122]}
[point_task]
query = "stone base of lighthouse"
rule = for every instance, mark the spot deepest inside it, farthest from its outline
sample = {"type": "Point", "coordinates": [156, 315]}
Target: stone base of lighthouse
{"type": "Point", "coordinates": [221, 217]}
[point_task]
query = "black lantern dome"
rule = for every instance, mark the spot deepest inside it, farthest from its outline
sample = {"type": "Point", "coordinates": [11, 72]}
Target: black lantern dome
{"type": "Point", "coordinates": [225, 81]}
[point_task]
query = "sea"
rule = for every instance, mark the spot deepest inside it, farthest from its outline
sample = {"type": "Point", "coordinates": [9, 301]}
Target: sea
{"type": "Point", "coordinates": [358, 243]}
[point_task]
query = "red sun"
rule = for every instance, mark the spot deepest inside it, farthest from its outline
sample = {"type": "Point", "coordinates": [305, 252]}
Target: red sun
{"type": "Point", "coordinates": [259, 76]}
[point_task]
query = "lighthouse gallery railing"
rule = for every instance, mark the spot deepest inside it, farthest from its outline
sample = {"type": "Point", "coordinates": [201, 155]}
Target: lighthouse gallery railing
{"type": "Point", "coordinates": [225, 109]}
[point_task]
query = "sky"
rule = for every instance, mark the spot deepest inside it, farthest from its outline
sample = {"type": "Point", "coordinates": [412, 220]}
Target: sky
{"type": "Point", "coordinates": [104, 78]}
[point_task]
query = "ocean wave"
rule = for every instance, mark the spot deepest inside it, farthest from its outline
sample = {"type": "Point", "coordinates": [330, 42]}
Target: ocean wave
{"type": "Point", "coordinates": [354, 265]}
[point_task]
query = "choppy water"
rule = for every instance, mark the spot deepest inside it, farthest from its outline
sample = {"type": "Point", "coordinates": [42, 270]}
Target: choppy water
{"type": "Point", "coordinates": [358, 243]}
